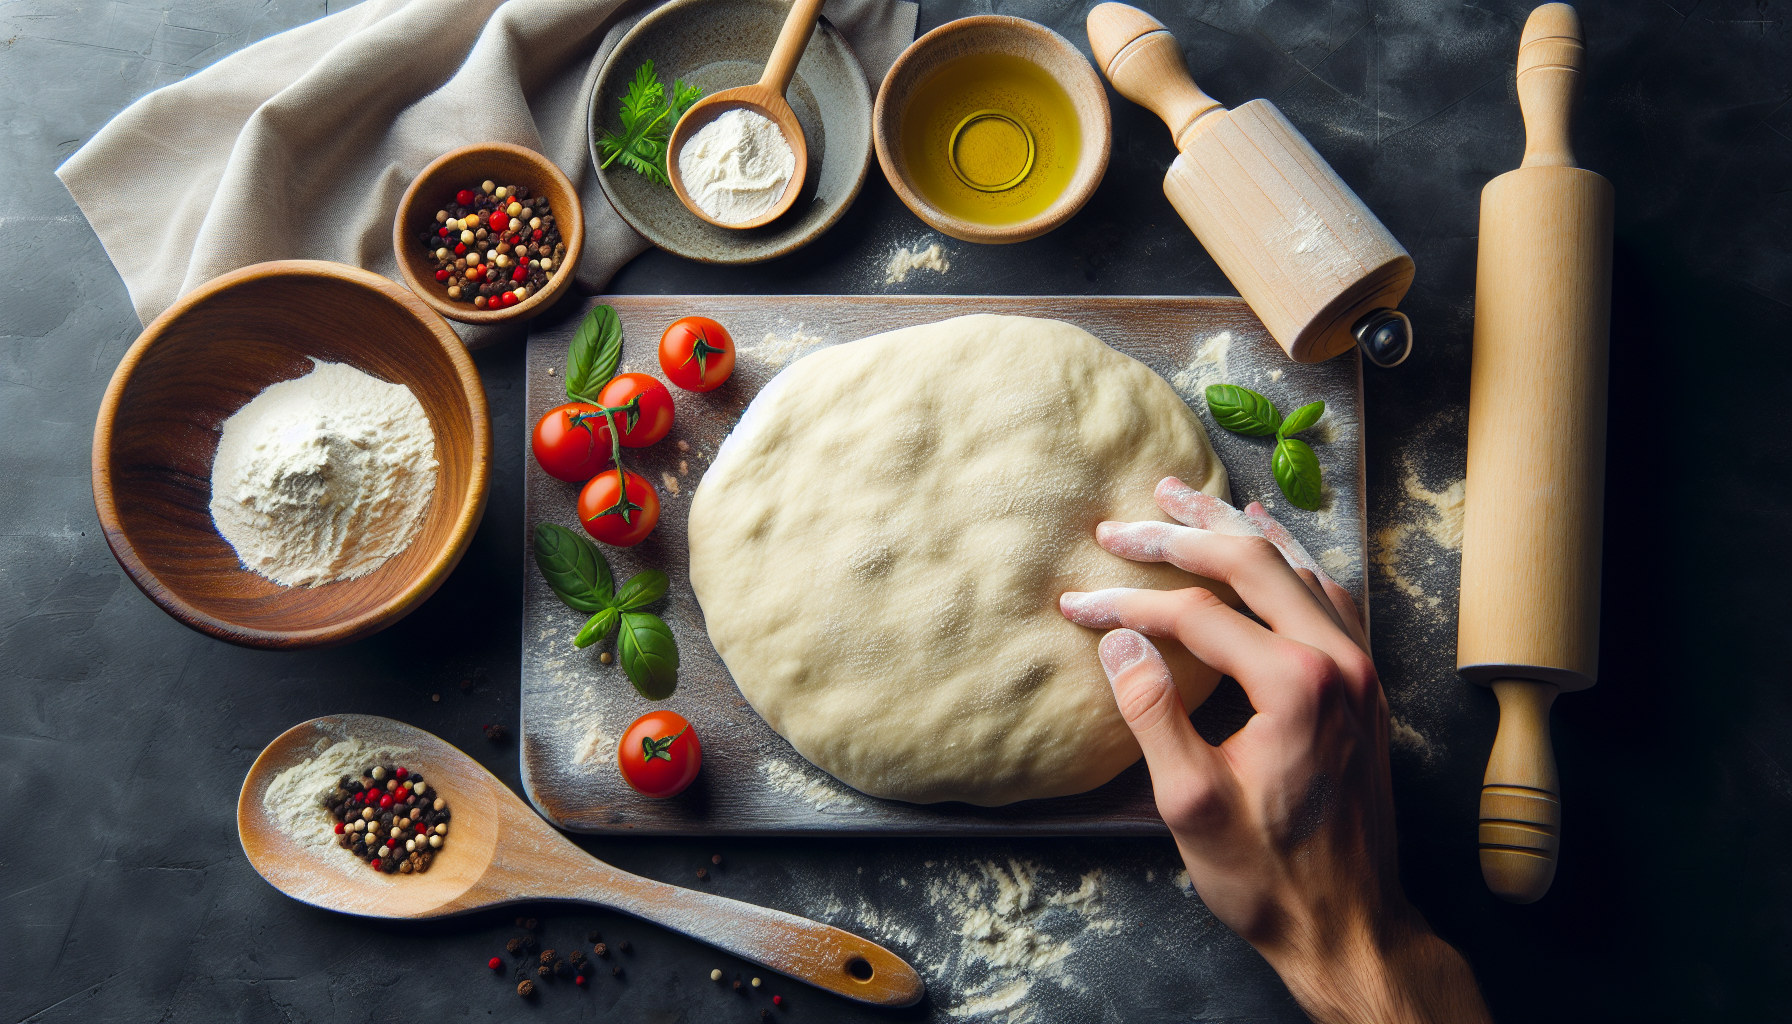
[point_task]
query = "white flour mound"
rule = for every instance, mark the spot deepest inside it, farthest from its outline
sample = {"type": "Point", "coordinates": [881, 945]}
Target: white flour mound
{"type": "Point", "coordinates": [295, 797]}
{"type": "Point", "coordinates": [324, 477]}
{"type": "Point", "coordinates": [736, 167]}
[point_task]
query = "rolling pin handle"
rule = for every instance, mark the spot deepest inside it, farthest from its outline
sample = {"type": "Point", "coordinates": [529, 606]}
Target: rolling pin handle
{"type": "Point", "coordinates": [1385, 336]}
{"type": "Point", "coordinates": [1144, 63]}
{"type": "Point", "coordinates": [1551, 54]}
{"type": "Point", "coordinates": [1521, 807]}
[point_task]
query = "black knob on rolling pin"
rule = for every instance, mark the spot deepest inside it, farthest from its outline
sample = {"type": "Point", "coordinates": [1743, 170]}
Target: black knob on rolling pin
{"type": "Point", "coordinates": [1385, 336]}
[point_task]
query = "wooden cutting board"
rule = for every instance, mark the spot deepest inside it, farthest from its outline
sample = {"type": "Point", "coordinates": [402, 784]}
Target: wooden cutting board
{"type": "Point", "coordinates": [753, 782]}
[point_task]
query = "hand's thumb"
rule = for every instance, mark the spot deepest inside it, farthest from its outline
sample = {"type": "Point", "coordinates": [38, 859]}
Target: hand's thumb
{"type": "Point", "coordinates": [1181, 762]}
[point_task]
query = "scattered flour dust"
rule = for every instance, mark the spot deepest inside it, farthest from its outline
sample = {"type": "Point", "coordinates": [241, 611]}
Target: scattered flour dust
{"type": "Point", "coordinates": [1336, 561]}
{"type": "Point", "coordinates": [295, 797]}
{"type": "Point", "coordinates": [1012, 934]}
{"type": "Point", "coordinates": [812, 787]}
{"type": "Point", "coordinates": [1396, 550]}
{"type": "Point", "coordinates": [597, 746]}
{"type": "Point", "coordinates": [1207, 366]}
{"type": "Point", "coordinates": [778, 349]}
{"type": "Point", "coordinates": [1402, 734]}
{"type": "Point", "coordinates": [904, 260]}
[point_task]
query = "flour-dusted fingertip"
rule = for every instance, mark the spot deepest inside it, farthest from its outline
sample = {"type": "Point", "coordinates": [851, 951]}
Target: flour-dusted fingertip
{"type": "Point", "coordinates": [1122, 649]}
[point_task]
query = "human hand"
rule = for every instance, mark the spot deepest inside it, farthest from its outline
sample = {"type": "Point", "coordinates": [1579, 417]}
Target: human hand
{"type": "Point", "coordinates": [1287, 828]}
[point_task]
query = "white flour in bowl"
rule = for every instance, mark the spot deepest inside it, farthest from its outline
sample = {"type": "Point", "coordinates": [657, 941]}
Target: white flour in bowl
{"type": "Point", "coordinates": [325, 477]}
{"type": "Point", "coordinates": [736, 167]}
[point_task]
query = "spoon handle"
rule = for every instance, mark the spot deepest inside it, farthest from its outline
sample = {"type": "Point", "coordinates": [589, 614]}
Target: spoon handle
{"type": "Point", "coordinates": [792, 41]}
{"type": "Point", "coordinates": [822, 955]}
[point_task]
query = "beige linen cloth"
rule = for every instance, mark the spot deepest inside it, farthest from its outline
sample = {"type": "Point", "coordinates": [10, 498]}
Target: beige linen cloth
{"type": "Point", "coordinates": [301, 146]}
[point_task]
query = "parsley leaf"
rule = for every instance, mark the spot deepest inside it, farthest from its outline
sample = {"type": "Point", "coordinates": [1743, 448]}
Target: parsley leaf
{"type": "Point", "coordinates": [647, 122]}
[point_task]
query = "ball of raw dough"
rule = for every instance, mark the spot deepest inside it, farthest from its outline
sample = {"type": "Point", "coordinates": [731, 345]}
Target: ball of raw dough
{"type": "Point", "coordinates": [880, 545]}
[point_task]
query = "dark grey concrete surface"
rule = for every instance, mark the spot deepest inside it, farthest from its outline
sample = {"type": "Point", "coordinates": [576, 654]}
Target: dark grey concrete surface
{"type": "Point", "coordinates": [126, 896]}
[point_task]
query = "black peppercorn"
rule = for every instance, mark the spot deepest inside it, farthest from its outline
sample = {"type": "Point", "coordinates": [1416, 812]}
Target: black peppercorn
{"type": "Point", "coordinates": [530, 924]}
{"type": "Point", "coordinates": [702, 873]}
{"type": "Point", "coordinates": [600, 949]}
{"type": "Point", "coordinates": [592, 936]}
{"type": "Point", "coordinates": [623, 945]}
{"type": "Point", "coordinates": [545, 972]}
{"type": "Point", "coordinates": [525, 988]}
{"type": "Point", "coordinates": [547, 957]}
{"type": "Point", "coordinates": [617, 971]}
{"type": "Point", "coordinates": [529, 943]}
{"type": "Point", "coordinates": [514, 946]}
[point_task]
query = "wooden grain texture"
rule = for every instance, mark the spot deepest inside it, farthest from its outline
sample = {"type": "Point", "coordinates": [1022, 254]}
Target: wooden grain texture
{"type": "Point", "coordinates": [753, 782]}
{"type": "Point", "coordinates": [1014, 37]}
{"type": "Point", "coordinates": [1298, 244]}
{"type": "Point", "coordinates": [208, 356]}
{"type": "Point", "coordinates": [765, 97]}
{"type": "Point", "coordinates": [1528, 620]}
{"type": "Point", "coordinates": [1521, 807]}
{"type": "Point", "coordinates": [498, 852]}
{"type": "Point", "coordinates": [466, 167]}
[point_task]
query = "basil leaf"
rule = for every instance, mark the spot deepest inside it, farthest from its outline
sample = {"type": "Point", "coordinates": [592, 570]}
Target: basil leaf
{"type": "Point", "coordinates": [649, 654]}
{"type": "Point", "coordinates": [1300, 419]}
{"type": "Point", "coordinates": [574, 567]}
{"type": "Point", "coordinates": [1242, 410]}
{"type": "Point", "coordinates": [596, 628]}
{"type": "Point", "coordinates": [1297, 471]}
{"type": "Point", "coordinates": [643, 588]}
{"type": "Point", "coordinates": [596, 349]}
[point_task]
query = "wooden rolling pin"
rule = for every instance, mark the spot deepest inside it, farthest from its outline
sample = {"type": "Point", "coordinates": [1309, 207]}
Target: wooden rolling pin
{"type": "Point", "coordinates": [1529, 620]}
{"type": "Point", "coordinates": [1316, 266]}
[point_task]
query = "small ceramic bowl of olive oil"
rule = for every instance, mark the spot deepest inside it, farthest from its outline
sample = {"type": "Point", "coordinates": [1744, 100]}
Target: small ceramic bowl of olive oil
{"type": "Point", "coordinates": [992, 129]}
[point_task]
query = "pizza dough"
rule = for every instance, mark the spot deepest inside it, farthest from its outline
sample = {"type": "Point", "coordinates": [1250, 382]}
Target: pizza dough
{"type": "Point", "coordinates": [879, 547]}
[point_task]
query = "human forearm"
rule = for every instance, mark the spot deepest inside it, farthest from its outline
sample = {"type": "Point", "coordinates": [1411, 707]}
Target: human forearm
{"type": "Point", "coordinates": [1400, 974]}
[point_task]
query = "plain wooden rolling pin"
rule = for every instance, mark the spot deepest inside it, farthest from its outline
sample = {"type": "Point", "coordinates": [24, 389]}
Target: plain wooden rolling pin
{"type": "Point", "coordinates": [1529, 621]}
{"type": "Point", "coordinates": [1316, 266]}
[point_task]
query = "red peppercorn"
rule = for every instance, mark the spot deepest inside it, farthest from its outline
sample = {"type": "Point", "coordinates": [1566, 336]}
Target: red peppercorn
{"type": "Point", "coordinates": [579, 980]}
{"type": "Point", "coordinates": [535, 235]}
{"type": "Point", "coordinates": [464, 197]}
{"type": "Point", "coordinates": [460, 248]}
{"type": "Point", "coordinates": [386, 802]}
{"type": "Point", "coordinates": [520, 274]}
{"type": "Point", "coordinates": [374, 864]}
{"type": "Point", "coordinates": [495, 963]}
{"type": "Point", "coordinates": [442, 231]}
{"type": "Point", "coordinates": [441, 275]}
{"type": "Point", "coordinates": [403, 791]}
{"type": "Point", "coordinates": [401, 774]}
{"type": "Point", "coordinates": [510, 298]}
{"type": "Point", "coordinates": [340, 828]}
{"type": "Point", "coordinates": [500, 220]}
{"type": "Point", "coordinates": [777, 1000]}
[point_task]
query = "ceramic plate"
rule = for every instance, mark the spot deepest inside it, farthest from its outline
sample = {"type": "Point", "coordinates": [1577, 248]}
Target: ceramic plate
{"type": "Point", "coordinates": [720, 44]}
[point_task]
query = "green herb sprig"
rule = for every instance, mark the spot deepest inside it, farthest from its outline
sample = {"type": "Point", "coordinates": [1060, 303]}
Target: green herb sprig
{"type": "Point", "coordinates": [580, 575]}
{"type": "Point", "coordinates": [647, 123]}
{"type": "Point", "coordinates": [1296, 468]}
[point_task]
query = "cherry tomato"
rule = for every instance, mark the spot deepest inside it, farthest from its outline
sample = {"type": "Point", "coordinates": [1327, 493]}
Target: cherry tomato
{"type": "Point", "coordinates": [659, 754]}
{"type": "Point", "coordinates": [569, 451]}
{"type": "Point", "coordinates": [656, 407]}
{"type": "Point", "coordinates": [697, 353]}
{"type": "Point", "coordinates": [598, 499]}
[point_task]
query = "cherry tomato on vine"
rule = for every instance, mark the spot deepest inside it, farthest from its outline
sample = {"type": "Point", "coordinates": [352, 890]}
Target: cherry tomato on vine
{"type": "Point", "coordinates": [572, 451]}
{"type": "Point", "coordinates": [655, 418]}
{"type": "Point", "coordinates": [659, 754]}
{"type": "Point", "coordinates": [697, 353]}
{"type": "Point", "coordinates": [602, 516]}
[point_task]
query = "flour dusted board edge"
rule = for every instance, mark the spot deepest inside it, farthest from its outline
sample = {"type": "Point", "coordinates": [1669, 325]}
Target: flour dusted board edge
{"type": "Point", "coordinates": [752, 782]}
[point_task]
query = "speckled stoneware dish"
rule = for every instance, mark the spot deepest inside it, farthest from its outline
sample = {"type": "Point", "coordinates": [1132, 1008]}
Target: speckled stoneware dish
{"type": "Point", "coordinates": [720, 44]}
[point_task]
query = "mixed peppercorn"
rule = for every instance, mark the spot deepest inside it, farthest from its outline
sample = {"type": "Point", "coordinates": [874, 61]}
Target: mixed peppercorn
{"type": "Point", "coordinates": [390, 818]}
{"type": "Point", "coordinates": [493, 245]}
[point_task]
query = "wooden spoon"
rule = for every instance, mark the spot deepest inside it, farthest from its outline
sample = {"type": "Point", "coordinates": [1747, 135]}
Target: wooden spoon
{"type": "Point", "coordinates": [766, 97]}
{"type": "Point", "coordinates": [499, 852]}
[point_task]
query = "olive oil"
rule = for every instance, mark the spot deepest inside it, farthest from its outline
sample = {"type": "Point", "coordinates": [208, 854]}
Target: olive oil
{"type": "Point", "coordinates": [990, 139]}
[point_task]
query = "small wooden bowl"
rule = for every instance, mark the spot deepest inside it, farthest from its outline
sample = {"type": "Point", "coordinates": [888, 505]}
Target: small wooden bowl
{"type": "Point", "coordinates": [1015, 37]}
{"type": "Point", "coordinates": [204, 359]}
{"type": "Point", "coordinates": [466, 167]}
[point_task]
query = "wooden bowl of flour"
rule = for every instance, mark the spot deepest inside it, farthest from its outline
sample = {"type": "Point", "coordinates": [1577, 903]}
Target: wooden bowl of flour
{"type": "Point", "coordinates": [208, 356]}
